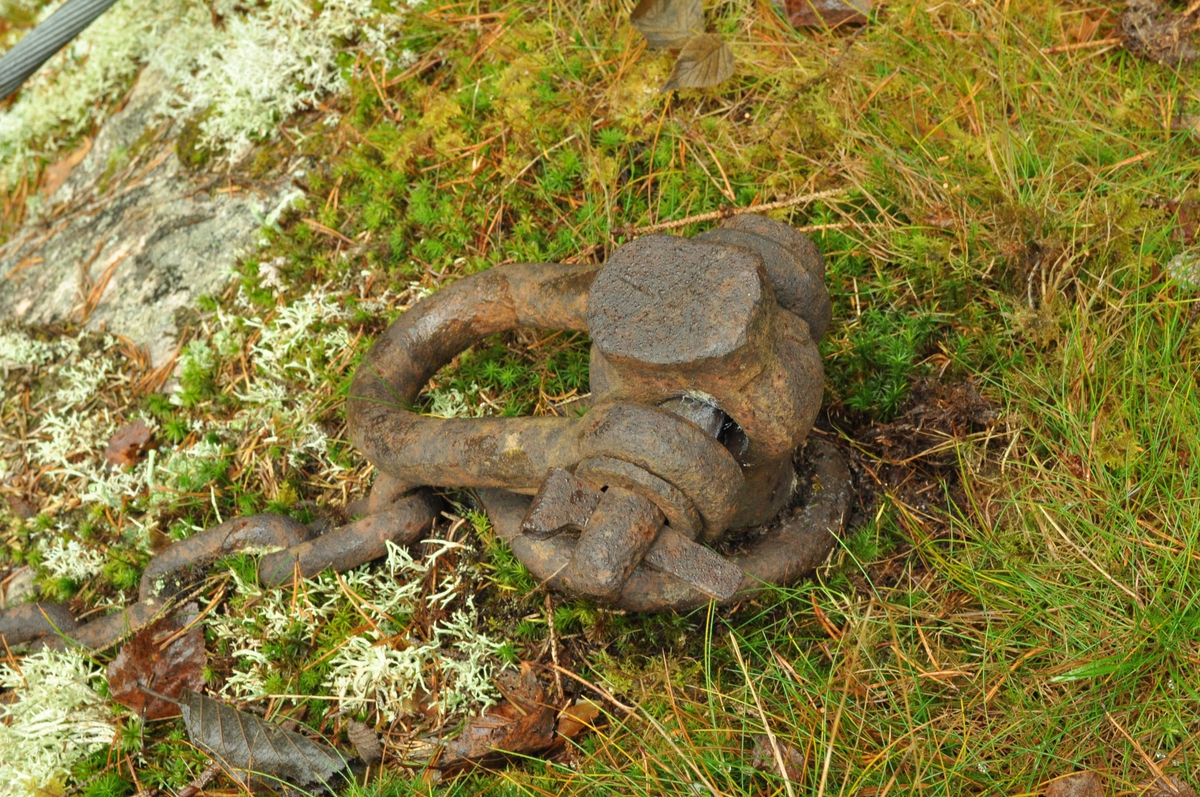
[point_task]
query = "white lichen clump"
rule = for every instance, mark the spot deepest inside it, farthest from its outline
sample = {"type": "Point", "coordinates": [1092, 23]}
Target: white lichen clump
{"type": "Point", "coordinates": [275, 60]}
{"type": "Point", "coordinates": [55, 719]}
{"type": "Point", "coordinates": [287, 350]}
{"type": "Point", "coordinates": [259, 64]}
{"type": "Point", "coordinates": [1185, 269]}
{"type": "Point", "coordinates": [451, 668]}
{"type": "Point", "coordinates": [18, 350]}
{"type": "Point", "coordinates": [81, 380]}
{"type": "Point", "coordinates": [63, 436]}
{"type": "Point", "coordinates": [70, 559]}
{"type": "Point", "coordinates": [455, 403]}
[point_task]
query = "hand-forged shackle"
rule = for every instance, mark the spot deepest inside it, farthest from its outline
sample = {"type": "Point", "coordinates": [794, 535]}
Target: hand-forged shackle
{"type": "Point", "coordinates": [706, 380]}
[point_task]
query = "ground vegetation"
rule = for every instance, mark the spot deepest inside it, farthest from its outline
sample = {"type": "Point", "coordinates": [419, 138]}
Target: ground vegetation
{"type": "Point", "coordinates": [1009, 216]}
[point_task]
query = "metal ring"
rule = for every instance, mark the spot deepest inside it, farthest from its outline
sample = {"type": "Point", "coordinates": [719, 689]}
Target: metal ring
{"type": "Point", "coordinates": [789, 547]}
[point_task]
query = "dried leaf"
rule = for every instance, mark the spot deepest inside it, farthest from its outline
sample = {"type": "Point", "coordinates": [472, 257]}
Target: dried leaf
{"type": "Point", "coordinates": [56, 175]}
{"type": "Point", "coordinates": [1077, 784]}
{"type": "Point", "coordinates": [827, 13]}
{"type": "Point", "coordinates": [668, 24]}
{"type": "Point", "coordinates": [1187, 211]}
{"type": "Point", "coordinates": [365, 741]}
{"type": "Point", "coordinates": [763, 758]}
{"type": "Point", "coordinates": [523, 723]}
{"type": "Point", "coordinates": [20, 507]}
{"type": "Point", "coordinates": [127, 444]}
{"type": "Point", "coordinates": [247, 747]}
{"type": "Point", "coordinates": [577, 718]}
{"type": "Point", "coordinates": [1170, 786]}
{"type": "Point", "coordinates": [705, 61]}
{"type": "Point", "coordinates": [151, 659]}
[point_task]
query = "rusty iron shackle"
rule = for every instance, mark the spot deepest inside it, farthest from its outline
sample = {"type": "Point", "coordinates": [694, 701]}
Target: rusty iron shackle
{"type": "Point", "coordinates": [706, 380]}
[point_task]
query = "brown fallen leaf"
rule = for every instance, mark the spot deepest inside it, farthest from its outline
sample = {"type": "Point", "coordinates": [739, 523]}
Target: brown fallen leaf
{"type": "Point", "coordinates": [668, 24]}
{"type": "Point", "coordinates": [1077, 784]}
{"type": "Point", "coordinates": [127, 444]}
{"type": "Point", "coordinates": [763, 758]}
{"type": "Point", "coordinates": [1187, 216]}
{"type": "Point", "coordinates": [1152, 31]}
{"type": "Point", "coordinates": [160, 659]}
{"type": "Point", "coordinates": [523, 723]}
{"type": "Point", "coordinates": [257, 753]}
{"type": "Point", "coordinates": [54, 176]}
{"type": "Point", "coordinates": [827, 13]}
{"type": "Point", "coordinates": [704, 61]}
{"type": "Point", "coordinates": [20, 507]}
{"type": "Point", "coordinates": [1170, 786]}
{"type": "Point", "coordinates": [365, 741]}
{"type": "Point", "coordinates": [577, 718]}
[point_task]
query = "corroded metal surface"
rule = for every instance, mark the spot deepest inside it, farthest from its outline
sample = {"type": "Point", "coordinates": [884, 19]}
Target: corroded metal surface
{"type": "Point", "coordinates": [612, 544]}
{"type": "Point", "coordinates": [402, 523]}
{"type": "Point", "coordinates": [792, 546]}
{"type": "Point", "coordinates": [185, 561]}
{"type": "Point", "coordinates": [404, 520]}
{"type": "Point", "coordinates": [30, 621]}
{"type": "Point", "coordinates": [563, 503]}
{"type": "Point", "coordinates": [706, 380]}
{"type": "Point", "coordinates": [678, 511]}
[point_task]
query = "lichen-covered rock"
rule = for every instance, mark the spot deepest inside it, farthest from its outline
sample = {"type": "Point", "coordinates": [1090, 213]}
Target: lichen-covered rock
{"type": "Point", "coordinates": [132, 236]}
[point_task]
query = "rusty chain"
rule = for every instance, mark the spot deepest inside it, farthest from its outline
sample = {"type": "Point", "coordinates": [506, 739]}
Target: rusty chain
{"type": "Point", "coordinates": [706, 380]}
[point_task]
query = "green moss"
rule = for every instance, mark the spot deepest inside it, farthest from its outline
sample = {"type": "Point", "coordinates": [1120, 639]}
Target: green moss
{"type": "Point", "coordinates": [190, 146]}
{"type": "Point", "coordinates": [122, 575]}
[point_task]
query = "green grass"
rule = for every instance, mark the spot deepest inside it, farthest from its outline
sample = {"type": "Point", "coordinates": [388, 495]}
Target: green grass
{"type": "Point", "coordinates": [1005, 219]}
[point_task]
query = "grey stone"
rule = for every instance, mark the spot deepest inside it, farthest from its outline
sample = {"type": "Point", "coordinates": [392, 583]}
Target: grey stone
{"type": "Point", "coordinates": [1185, 268]}
{"type": "Point", "coordinates": [131, 214]}
{"type": "Point", "coordinates": [18, 587]}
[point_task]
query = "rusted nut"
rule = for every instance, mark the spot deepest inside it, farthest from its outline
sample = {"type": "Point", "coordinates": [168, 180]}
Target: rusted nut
{"type": "Point", "coordinates": [185, 561]}
{"type": "Point", "coordinates": [791, 547]}
{"type": "Point", "coordinates": [29, 621]}
{"type": "Point", "coordinates": [672, 317]}
{"type": "Point", "coordinates": [795, 267]}
{"type": "Point", "coordinates": [799, 245]}
{"type": "Point", "coordinates": [612, 544]}
{"type": "Point", "coordinates": [680, 513]}
{"type": "Point", "coordinates": [354, 544]}
{"type": "Point", "coordinates": [562, 503]}
{"type": "Point", "coordinates": [674, 450]}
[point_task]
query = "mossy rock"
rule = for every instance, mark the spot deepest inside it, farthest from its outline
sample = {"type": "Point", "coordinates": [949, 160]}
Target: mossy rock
{"type": "Point", "coordinates": [193, 153]}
